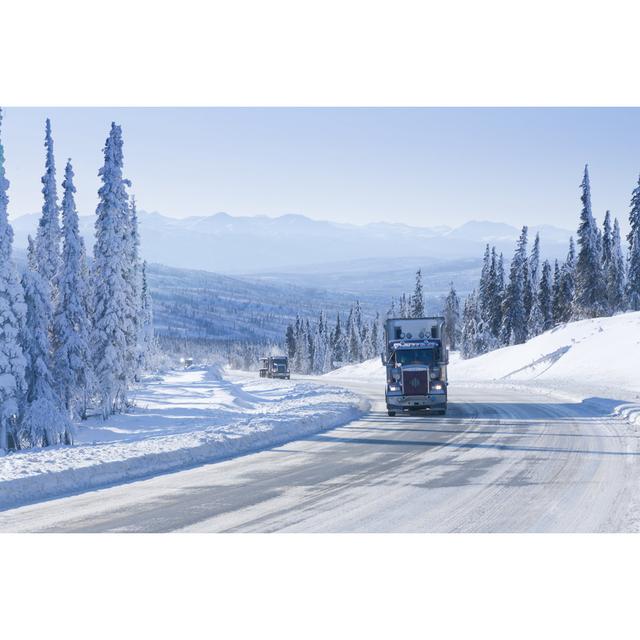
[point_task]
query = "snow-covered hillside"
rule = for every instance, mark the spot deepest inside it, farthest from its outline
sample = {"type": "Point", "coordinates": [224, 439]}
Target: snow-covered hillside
{"type": "Point", "coordinates": [602, 353]}
{"type": "Point", "coordinates": [181, 419]}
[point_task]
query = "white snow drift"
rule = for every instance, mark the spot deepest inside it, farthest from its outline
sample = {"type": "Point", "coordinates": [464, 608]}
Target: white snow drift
{"type": "Point", "coordinates": [181, 419]}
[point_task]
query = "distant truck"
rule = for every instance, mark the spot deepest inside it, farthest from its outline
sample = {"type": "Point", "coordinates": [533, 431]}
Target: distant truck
{"type": "Point", "coordinates": [416, 359]}
{"type": "Point", "coordinates": [275, 367]}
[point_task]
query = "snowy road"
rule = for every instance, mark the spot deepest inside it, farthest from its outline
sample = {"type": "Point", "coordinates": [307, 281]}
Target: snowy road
{"type": "Point", "coordinates": [502, 460]}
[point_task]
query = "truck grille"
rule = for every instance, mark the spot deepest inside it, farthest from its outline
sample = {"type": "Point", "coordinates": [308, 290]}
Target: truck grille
{"type": "Point", "coordinates": [415, 383]}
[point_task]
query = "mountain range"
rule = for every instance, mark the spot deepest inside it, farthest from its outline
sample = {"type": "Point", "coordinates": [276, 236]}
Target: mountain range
{"type": "Point", "coordinates": [228, 244]}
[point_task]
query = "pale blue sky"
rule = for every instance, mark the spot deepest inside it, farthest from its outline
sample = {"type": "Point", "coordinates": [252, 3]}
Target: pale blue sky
{"type": "Point", "coordinates": [418, 166]}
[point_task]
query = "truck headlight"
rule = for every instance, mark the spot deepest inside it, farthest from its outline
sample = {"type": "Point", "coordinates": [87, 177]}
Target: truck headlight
{"type": "Point", "coordinates": [394, 387]}
{"type": "Point", "coordinates": [437, 386]}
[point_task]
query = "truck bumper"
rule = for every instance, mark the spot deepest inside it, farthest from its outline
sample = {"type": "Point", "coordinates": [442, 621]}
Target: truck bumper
{"type": "Point", "coordinates": [417, 403]}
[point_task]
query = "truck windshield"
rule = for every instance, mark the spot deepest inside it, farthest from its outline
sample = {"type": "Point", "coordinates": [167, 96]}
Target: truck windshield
{"type": "Point", "coordinates": [416, 356]}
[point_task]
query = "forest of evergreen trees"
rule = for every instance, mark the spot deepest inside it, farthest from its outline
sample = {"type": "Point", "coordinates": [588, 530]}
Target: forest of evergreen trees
{"type": "Point", "coordinates": [74, 335]}
{"type": "Point", "coordinates": [317, 347]}
{"type": "Point", "coordinates": [596, 279]}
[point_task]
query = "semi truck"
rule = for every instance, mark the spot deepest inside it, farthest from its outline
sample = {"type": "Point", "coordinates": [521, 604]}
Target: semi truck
{"type": "Point", "coordinates": [416, 359]}
{"type": "Point", "coordinates": [275, 367]}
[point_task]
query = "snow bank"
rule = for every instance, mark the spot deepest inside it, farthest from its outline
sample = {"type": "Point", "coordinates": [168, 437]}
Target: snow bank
{"type": "Point", "coordinates": [599, 351]}
{"type": "Point", "coordinates": [596, 359]}
{"type": "Point", "coordinates": [369, 372]}
{"type": "Point", "coordinates": [184, 419]}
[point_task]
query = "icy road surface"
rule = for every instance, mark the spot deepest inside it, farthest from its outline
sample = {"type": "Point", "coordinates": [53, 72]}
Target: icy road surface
{"type": "Point", "coordinates": [502, 460]}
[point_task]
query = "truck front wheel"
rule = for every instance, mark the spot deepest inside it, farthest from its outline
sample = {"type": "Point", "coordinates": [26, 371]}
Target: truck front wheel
{"type": "Point", "coordinates": [391, 413]}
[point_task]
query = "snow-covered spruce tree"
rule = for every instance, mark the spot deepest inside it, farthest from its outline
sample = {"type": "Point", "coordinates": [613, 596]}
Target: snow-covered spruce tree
{"type": "Point", "coordinates": [44, 422]}
{"type": "Point", "coordinates": [484, 287]}
{"type": "Point", "coordinates": [545, 296]}
{"type": "Point", "coordinates": [536, 318]}
{"type": "Point", "coordinates": [606, 243]}
{"type": "Point", "coordinates": [376, 337]}
{"type": "Point", "coordinates": [47, 245]}
{"type": "Point", "coordinates": [290, 342]}
{"type": "Point", "coordinates": [417, 300]}
{"type": "Point", "coordinates": [492, 313]}
{"type": "Point", "coordinates": [310, 348]}
{"type": "Point", "coordinates": [133, 279]}
{"type": "Point", "coordinates": [556, 294]}
{"type": "Point", "coordinates": [337, 343]}
{"type": "Point", "coordinates": [469, 326]}
{"type": "Point", "coordinates": [568, 284]}
{"type": "Point", "coordinates": [299, 341]}
{"type": "Point", "coordinates": [354, 339]}
{"type": "Point", "coordinates": [633, 269]}
{"type": "Point", "coordinates": [514, 319]}
{"type": "Point", "coordinates": [405, 311]}
{"type": "Point", "coordinates": [587, 302]}
{"type": "Point", "coordinates": [110, 330]}
{"type": "Point", "coordinates": [147, 336]}
{"type": "Point", "coordinates": [497, 297]}
{"type": "Point", "coordinates": [321, 347]}
{"type": "Point", "coordinates": [451, 314]}
{"type": "Point", "coordinates": [615, 275]}
{"type": "Point", "coordinates": [12, 316]}
{"type": "Point", "coordinates": [533, 268]}
{"type": "Point", "coordinates": [607, 239]}
{"type": "Point", "coordinates": [73, 368]}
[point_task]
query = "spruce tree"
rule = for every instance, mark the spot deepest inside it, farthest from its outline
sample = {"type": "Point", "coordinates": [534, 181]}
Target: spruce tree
{"type": "Point", "coordinates": [514, 319]}
{"type": "Point", "coordinates": [452, 317]}
{"type": "Point", "coordinates": [545, 296]}
{"type": "Point", "coordinates": [568, 283]}
{"type": "Point", "coordinates": [417, 300]}
{"type": "Point", "coordinates": [533, 282]}
{"type": "Point", "coordinates": [337, 341]}
{"type": "Point", "coordinates": [494, 298]}
{"type": "Point", "coordinates": [468, 339]}
{"type": "Point", "coordinates": [633, 269]}
{"type": "Point", "coordinates": [12, 317]}
{"type": "Point", "coordinates": [484, 286]}
{"type": "Point", "coordinates": [615, 275]}
{"type": "Point", "coordinates": [606, 257]}
{"type": "Point", "coordinates": [147, 340]}
{"type": "Point", "coordinates": [45, 422]}
{"type": "Point", "coordinates": [557, 303]}
{"type": "Point", "coordinates": [589, 284]}
{"type": "Point", "coordinates": [47, 246]}
{"type": "Point", "coordinates": [133, 327]}
{"type": "Point", "coordinates": [290, 342]}
{"type": "Point", "coordinates": [110, 265]}
{"type": "Point", "coordinates": [71, 322]}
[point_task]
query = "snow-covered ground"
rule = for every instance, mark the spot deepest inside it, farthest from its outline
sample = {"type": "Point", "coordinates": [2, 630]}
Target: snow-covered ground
{"type": "Point", "coordinates": [181, 419]}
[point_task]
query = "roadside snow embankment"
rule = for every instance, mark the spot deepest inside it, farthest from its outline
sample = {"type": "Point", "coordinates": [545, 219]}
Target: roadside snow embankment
{"type": "Point", "coordinates": [181, 419]}
{"type": "Point", "coordinates": [590, 360]}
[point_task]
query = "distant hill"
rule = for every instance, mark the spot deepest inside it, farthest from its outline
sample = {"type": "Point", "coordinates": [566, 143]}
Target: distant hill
{"type": "Point", "coordinates": [200, 304]}
{"type": "Point", "coordinates": [243, 244]}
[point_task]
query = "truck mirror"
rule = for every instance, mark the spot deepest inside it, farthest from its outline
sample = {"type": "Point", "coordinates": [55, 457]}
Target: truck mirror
{"type": "Point", "coordinates": [383, 360]}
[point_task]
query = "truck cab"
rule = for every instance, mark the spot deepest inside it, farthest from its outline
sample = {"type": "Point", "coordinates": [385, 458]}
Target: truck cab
{"type": "Point", "coordinates": [415, 359]}
{"type": "Point", "coordinates": [275, 367]}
